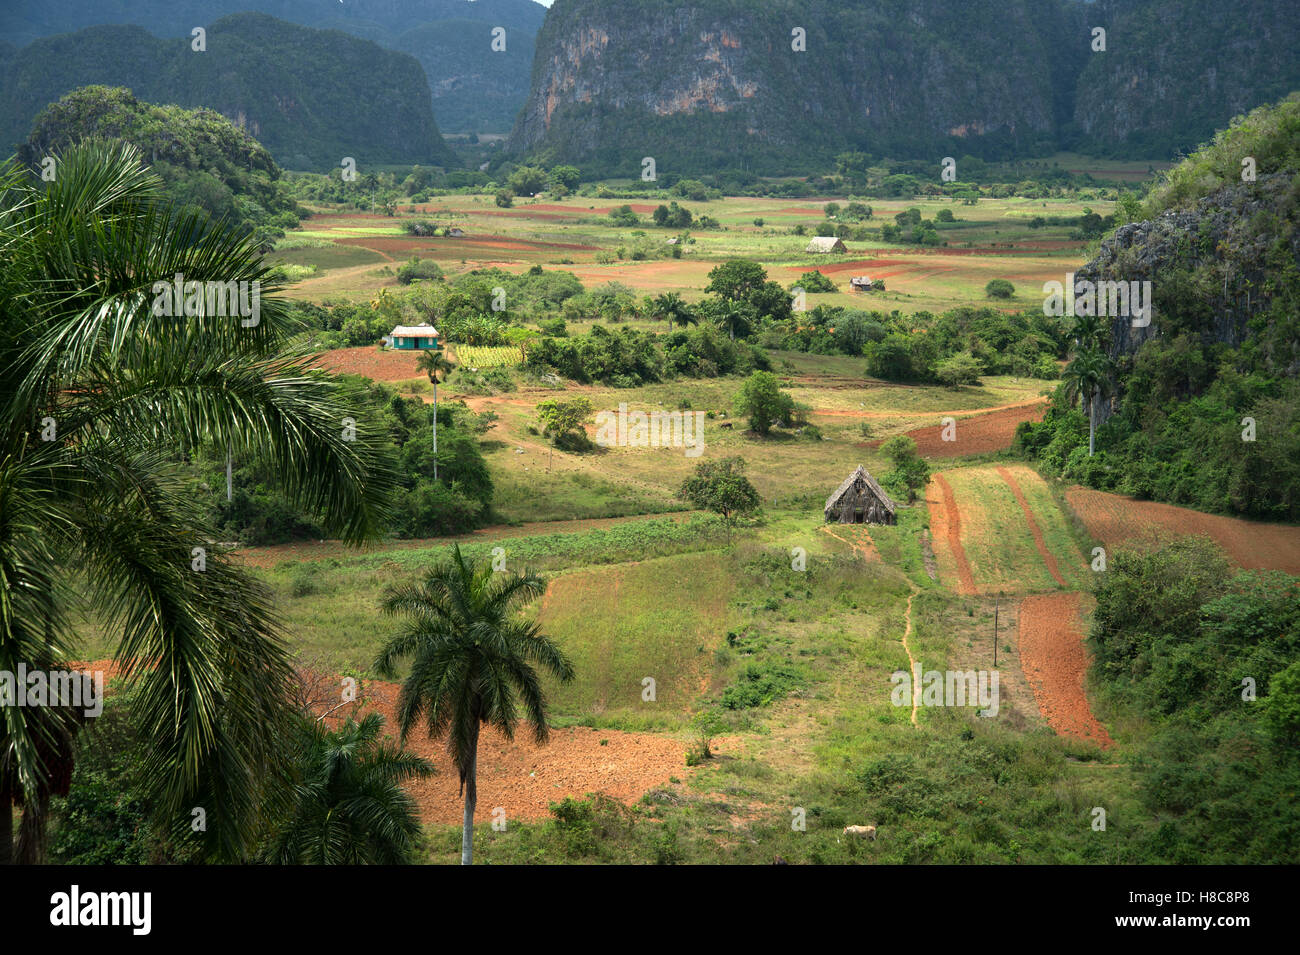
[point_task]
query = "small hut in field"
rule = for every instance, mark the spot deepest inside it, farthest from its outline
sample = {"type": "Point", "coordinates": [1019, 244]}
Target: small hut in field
{"type": "Point", "coordinates": [860, 500]}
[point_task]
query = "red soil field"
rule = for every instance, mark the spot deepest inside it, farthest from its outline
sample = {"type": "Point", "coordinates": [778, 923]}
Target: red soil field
{"type": "Point", "coordinates": [1054, 661]}
{"type": "Point", "coordinates": [368, 360]}
{"type": "Point", "coordinates": [860, 264]}
{"type": "Point", "coordinates": [945, 525]}
{"type": "Point", "coordinates": [1034, 529]}
{"type": "Point", "coordinates": [523, 778]}
{"type": "Point", "coordinates": [978, 434]}
{"type": "Point", "coordinates": [1113, 519]}
{"type": "Point", "coordinates": [395, 244]}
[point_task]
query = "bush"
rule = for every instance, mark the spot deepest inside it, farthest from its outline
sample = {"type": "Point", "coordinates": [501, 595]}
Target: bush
{"type": "Point", "coordinates": [763, 401]}
{"type": "Point", "coordinates": [418, 269]}
{"type": "Point", "coordinates": [999, 288]}
{"type": "Point", "coordinates": [813, 282]}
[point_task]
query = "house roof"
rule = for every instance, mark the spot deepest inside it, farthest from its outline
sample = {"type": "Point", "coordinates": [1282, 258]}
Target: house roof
{"type": "Point", "coordinates": [824, 243]}
{"type": "Point", "coordinates": [413, 331]}
{"type": "Point", "coordinates": [876, 489]}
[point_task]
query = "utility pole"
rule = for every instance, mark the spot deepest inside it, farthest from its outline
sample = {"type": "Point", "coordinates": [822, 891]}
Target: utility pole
{"type": "Point", "coordinates": [996, 604]}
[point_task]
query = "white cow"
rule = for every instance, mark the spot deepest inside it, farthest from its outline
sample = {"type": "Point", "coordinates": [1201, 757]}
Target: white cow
{"type": "Point", "coordinates": [862, 832]}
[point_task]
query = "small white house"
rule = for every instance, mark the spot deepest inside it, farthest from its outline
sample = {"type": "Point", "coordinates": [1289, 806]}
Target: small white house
{"type": "Point", "coordinates": [413, 338]}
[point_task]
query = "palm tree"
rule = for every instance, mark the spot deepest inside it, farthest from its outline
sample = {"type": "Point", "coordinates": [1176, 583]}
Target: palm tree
{"type": "Point", "coordinates": [438, 366]}
{"type": "Point", "coordinates": [99, 396]}
{"type": "Point", "coordinates": [1088, 377]}
{"type": "Point", "coordinates": [349, 807]}
{"type": "Point", "coordinates": [731, 315]}
{"type": "Point", "coordinates": [1087, 331]}
{"type": "Point", "coordinates": [673, 309]}
{"type": "Point", "coordinates": [472, 662]}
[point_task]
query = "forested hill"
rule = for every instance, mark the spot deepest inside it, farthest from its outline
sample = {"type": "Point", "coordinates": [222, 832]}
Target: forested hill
{"type": "Point", "coordinates": [718, 81]}
{"type": "Point", "coordinates": [474, 87]}
{"type": "Point", "coordinates": [311, 97]}
{"type": "Point", "coordinates": [1206, 398]}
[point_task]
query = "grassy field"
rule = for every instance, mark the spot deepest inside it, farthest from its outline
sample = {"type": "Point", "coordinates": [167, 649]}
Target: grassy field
{"type": "Point", "coordinates": [989, 240]}
{"type": "Point", "coordinates": [793, 660]}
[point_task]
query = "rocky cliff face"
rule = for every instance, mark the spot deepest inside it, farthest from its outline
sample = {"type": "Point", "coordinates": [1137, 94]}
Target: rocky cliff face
{"type": "Point", "coordinates": [717, 77]}
{"type": "Point", "coordinates": [1175, 70]}
{"type": "Point", "coordinates": [1209, 266]}
{"type": "Point", "coordinates": [718, 80]}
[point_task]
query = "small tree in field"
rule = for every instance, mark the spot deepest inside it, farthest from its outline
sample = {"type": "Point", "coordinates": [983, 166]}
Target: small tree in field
{"type": "Point", "coordinates": [999, 288]}
{"type": "Point", "coordinates": [562, 421]}
{"type": "Point", "coordinates": [721, 487]}
{"type": "Point", "coordinates": [763, 402]}
{"type": "Point", "coordinates": [910, 473]}
{"type": "Point", "coordinates": [963, 368]}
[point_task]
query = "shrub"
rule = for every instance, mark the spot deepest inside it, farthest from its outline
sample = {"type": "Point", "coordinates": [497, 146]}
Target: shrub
{"type": "Point", "coordinates": [418, 269]}
{"type": "Point", "coordinates": [999, 288]}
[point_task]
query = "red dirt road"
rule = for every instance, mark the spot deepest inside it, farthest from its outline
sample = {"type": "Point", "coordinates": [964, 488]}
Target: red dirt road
{"type": "Point", "coordinates": [945, 523]}
{"type": "Point", "coordinates": [1054, 661]}
{"type": "Point", "coordinates": [1113, 519]}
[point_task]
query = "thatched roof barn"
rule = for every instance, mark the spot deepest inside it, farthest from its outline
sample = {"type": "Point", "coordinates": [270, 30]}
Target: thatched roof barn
{"type": "Point", "coordinates": [825, 243]}
{"type": "Point", "coordinates": [860, 500]}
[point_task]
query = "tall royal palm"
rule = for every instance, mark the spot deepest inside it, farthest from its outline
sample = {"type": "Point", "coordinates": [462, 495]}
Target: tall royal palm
{"type": "Point", "coordinates": [672, 308]}
{"type": "Point", "coordinates": [437, 366]}
{"type": "Point", "coordinates": [102, 395]}
{"type": "Point", "coordinates": [1088, 378]}
{"type": "Point", "coordinates": [472, 662]}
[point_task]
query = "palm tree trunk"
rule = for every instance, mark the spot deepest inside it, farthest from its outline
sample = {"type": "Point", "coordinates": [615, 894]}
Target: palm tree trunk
{"type": "Point", "coordinates": [471, 799]}
{"type": "Point", "coordinates": [1092, 421]}
{"type": "Point", "coordinates": [435, 428]}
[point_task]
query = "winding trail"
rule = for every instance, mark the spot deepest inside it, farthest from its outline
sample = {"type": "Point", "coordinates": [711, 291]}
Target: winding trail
{"type": "Point", "coordinates": [869, 552]}
{"type": "Point", "coordinates": [911, 660]}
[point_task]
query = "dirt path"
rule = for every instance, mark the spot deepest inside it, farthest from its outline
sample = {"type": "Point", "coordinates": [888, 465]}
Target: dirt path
{"type": "Point", "coordinates": [1034, 529]}
{"type": "Point", "coordinates": [867, 550]}
{"type": "Point", "coordinates": [947, 524]}
{"type": "Point", "coordinates": [1055, 661]}
{"type": "Point", "coordinates": [907, 648]}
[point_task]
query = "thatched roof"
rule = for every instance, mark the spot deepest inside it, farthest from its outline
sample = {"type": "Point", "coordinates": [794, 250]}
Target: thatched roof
{"type": "Point", "coordinates": [860, 474]}
{"type": "Point", "coordinates": [825, 243]}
